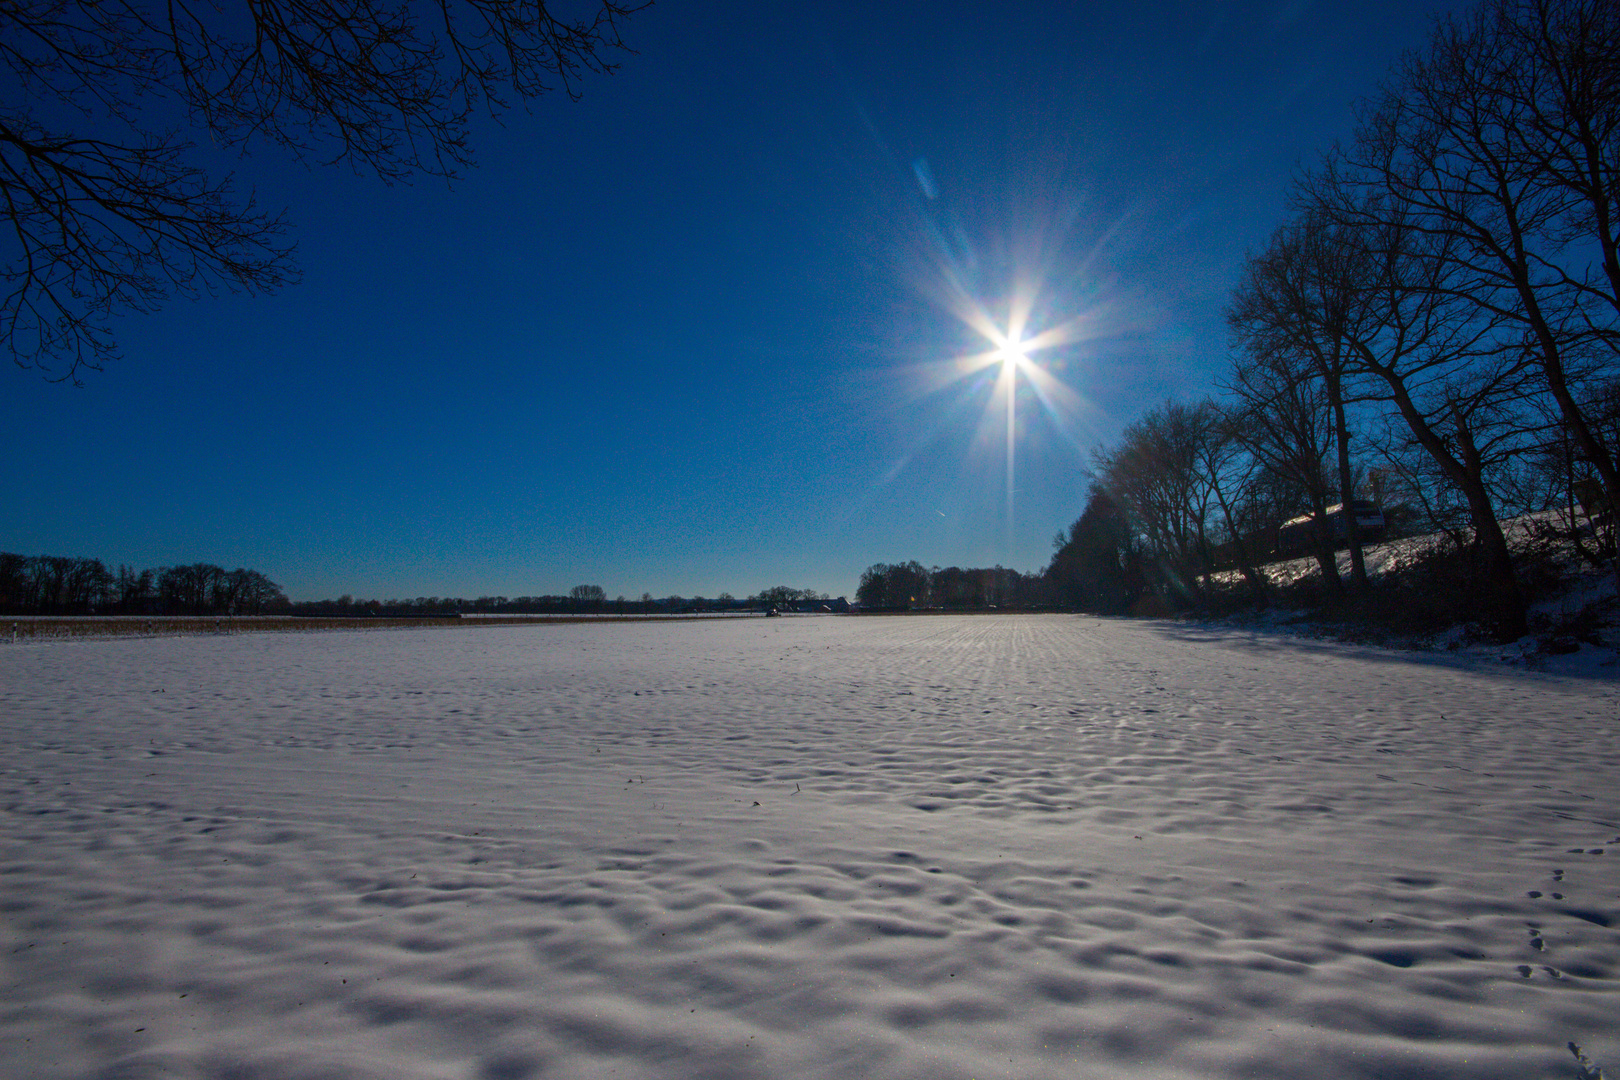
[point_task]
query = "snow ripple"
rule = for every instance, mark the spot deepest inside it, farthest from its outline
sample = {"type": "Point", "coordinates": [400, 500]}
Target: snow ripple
{"type": "Point", "coordinates": [944, 847]}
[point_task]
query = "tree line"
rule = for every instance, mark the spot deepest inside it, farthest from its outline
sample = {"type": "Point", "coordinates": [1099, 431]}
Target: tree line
{"type": "Point", "coordinates": [1437, 321]}
{"type": "Point", "coordinates": [58, 585]}
{"type": "Point", "coordinates": [580, 600]}
{"type": "Point", "coordinates": [1433, 329]}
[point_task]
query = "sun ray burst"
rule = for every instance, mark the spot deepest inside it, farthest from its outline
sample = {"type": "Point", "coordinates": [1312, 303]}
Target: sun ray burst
{"type": "Point", "coordinates": [1013, 355]}
{"type": "Point", "coordinates": [1017, 344]}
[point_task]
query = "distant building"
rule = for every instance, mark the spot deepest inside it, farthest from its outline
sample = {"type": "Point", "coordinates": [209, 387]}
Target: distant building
{"type": "Point", "coordinates": [839, 606]}
{"type": "Point", "coordinates": [1295, 536]}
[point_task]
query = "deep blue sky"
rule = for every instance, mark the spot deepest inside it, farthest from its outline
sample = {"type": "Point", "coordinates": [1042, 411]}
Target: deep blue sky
{"type": "Point", "coordinates": [673, 338]}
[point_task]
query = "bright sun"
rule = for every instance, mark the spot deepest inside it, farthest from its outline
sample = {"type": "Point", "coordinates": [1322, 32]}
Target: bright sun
{"type": "Point", "coordinates": [1011, 352]}
{"type": "Point", "coordinates": [1014, 355]}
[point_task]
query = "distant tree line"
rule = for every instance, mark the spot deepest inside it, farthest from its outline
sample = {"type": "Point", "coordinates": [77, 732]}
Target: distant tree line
{"type": "Point", "coordinates": [1434, 330]}
{"type": "Point", "coordinates": [785, 597]}
{"type": "Point", "coordinates": [57, 585]}
{"type": "Point", "coordinates": [580, 600]}
{"type": "Point", "coordinates": [53, 585]}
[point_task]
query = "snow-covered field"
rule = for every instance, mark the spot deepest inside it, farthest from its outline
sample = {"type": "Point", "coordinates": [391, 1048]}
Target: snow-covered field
{"type": "Point", "coordinates": [933, 848]}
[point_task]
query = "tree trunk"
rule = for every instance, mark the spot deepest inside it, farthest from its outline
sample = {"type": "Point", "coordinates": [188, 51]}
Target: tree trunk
{"type": "Point", "coordinates": [1352, 533]}
{"type": "Point", "coordinates": [1509, 613]}
{"type": "Point", "coordinates": [1251, 573]}
{"type": "Point", "coordinates": [1326, 557]}
{"type": "Point", "coordinates": [1552, 366]}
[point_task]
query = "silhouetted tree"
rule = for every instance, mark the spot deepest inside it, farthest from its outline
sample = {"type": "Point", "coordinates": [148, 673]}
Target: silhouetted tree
{"type": "Point", "coordinates": [895, 586]}
{"type": "Point", "coordinates": [1154, 474]}
{"type": "Point", "coordinates": [1231, 473]}
{"type": "Point", "coordinates": [954, 587]}
{"type": "Point", "coordinates": [1455, 373]}
{"type": "Point", "coordinates": [57, 585]}
{"type": "Point", "coordinates": [1500, 138]}
{"type": "Point", "coordinates": [117, 217]}
{"type": "Point", "coordinates": [869, 593]}
{"type": "Point", "coordinates": [1098, 564]}
{"type": "Point", "coordinates": [247, 592]}
{"type": "Point", "coordinates": [188, 589]}
{"type": "Point", "coordinates": [1305, 296]}
{"type": "Point", "coordinates": [135, 589]}
{"type": "Point", "coordinates": [13, 582]}
{"type": "Point", "coordinates": [592, 595]}
{"type": "Point", "coordinates": [1284, 419]}
{"type": "Point", "coordinates": [785, 596]}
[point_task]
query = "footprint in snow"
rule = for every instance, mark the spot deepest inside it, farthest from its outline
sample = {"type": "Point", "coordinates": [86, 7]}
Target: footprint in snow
{"type": "Point", "coordinates": [1588, 1069]}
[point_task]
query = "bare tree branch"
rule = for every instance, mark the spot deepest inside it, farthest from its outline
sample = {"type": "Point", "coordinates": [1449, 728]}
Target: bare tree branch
{"type": "Point", "coordinates": [119, 219]}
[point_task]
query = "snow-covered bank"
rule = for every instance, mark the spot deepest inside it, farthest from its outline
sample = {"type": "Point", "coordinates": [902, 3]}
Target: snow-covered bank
{"type": "Point", "coordinates": [950, 847]}
{"type": "Point", "coordinates": [1572, 605]}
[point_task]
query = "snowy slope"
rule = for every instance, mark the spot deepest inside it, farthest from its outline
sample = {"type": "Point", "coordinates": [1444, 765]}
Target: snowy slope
{"type": "Point", "coordinates": [1393, 556]}
{"type": "Point", "coordinates": [933, 847]}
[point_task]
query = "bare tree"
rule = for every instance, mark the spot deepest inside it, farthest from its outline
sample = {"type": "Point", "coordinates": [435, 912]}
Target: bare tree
{"type": "Point", "coordinates": [1229, 473]}
{"type": "Point", "coordinates": [88, 586]}
{"type": "Point", "coordinates": [780, 596]}
{"type": "Point", "coordinates": [1459, 383]}
{"type": "Point", "coordinates": [188, 588]}
{"type": "Point", "coordinates": [118, 217]}
{"type": "Point", "coordinates": [1502, 139]}
{"type": "Point", "coordinates": [135, 589]}
{"type": "Point", "coordinates": [14, 582]}
{"type": "Point", "coordinates": [894, 585]}
{"type": "Point", "coordinates": [1304, 296]}
{"type": "Point", "coordinates": [244, 592]}
{"type": "Point", "coordinates": [1285, 420]}
{"type": "Point", "coordinates": [1155, 473]}
{"type": "Point", "coordinates": [592, 595]}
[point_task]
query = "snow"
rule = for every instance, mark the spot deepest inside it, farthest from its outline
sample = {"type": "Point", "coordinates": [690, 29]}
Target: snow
{"type": "Point", "coordinates": [1389, 556]}
{"type": "Point", "coordinates": [953, 848]}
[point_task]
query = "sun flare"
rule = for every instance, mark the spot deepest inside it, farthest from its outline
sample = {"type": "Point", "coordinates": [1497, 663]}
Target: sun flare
{"type": "Point", "coordinates": [1010, 360]}
{"type": "Point", "coordinates": [1021, 350]}
{"type": "Point", "coordinates": [1014, 355]}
